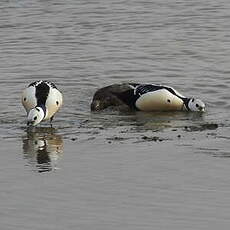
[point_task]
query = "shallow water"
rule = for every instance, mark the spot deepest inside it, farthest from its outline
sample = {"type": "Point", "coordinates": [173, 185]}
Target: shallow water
{"type": "Point", "coordinates": [115, 170]}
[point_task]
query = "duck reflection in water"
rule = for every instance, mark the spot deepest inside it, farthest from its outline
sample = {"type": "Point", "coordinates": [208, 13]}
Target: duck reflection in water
{"type": "Point", "coordinates": [42, 148]}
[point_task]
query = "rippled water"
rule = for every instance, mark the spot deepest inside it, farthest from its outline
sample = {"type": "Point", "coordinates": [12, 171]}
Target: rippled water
{"type": "Point", "coordinates": [114, 170]}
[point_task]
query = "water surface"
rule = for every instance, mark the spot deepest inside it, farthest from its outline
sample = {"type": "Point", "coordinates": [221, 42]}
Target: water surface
{"type": "Point", "coordinates": [114, 170]}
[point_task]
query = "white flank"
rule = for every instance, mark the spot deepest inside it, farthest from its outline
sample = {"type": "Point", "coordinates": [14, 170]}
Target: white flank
{"type": "Point", "coordinates": [53, 103]}
{"type": "Point", "coordinates": [28, 98]}
{"type": "Point", "coordinates": [159, 100]}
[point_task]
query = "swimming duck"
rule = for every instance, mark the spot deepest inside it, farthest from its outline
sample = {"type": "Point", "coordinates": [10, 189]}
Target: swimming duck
{"type": "Point", "coordinates": [144, 97]}
{"type": "Point", "coordinates": [41, 100]}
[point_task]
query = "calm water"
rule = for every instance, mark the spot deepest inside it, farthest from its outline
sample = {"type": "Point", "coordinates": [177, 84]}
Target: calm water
{"type": "Point", "coordinates": [114, 170]}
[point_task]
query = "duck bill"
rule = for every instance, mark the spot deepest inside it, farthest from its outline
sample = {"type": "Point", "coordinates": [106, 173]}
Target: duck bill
{"type": "Point", "coordinates": [30, 123]}
{"type": "Point", "coordinates": [201, 109]}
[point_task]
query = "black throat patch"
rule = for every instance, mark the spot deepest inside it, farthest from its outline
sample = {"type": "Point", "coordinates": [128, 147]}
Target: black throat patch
{"type": "Point", "coordinates": [186, 101]}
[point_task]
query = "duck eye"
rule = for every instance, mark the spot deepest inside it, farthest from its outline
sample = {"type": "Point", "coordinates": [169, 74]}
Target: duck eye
{"type": "Point", "coordinates": [35, 118]}
{"type": "Point", "coordinates": [24, 99]}
{"type": "Point", "coordinates": [193, 100]}
{"type": "Point", "coordinates": [197, 105]}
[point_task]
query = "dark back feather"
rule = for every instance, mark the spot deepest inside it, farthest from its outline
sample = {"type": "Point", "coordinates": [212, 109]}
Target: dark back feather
{"type": "Point", "coordinates": [42, 92]}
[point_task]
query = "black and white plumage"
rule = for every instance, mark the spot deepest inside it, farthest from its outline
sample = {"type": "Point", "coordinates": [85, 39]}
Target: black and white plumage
{"type": "Point", "coordinates": [144, 97]}
{"type": "Point", "coordinates": [41, 100]}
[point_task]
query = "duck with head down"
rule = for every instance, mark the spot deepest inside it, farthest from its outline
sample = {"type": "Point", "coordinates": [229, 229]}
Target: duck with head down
{"type": "Point", "coordinates": [144, 97]}
{"type": "Point", "coordinates": [41, 100]}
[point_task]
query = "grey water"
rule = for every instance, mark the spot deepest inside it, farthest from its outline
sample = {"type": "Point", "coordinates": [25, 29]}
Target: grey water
{"type": "Point", "coordinates": [112, 170]}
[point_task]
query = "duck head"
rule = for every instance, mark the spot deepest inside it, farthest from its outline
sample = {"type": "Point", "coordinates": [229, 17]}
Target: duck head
{"type": "Point", "coordinates": [196, 105]}
{"type": "Point", "coordinates": [35, 116]}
